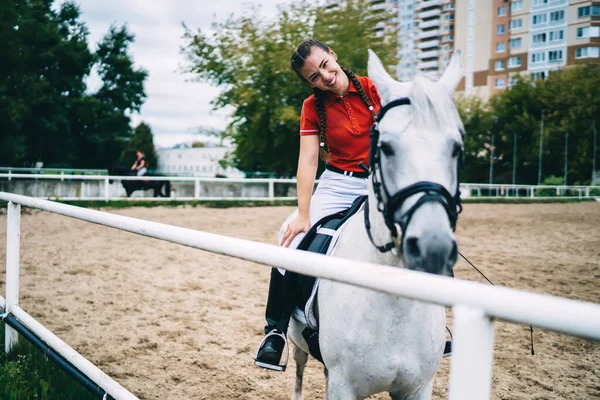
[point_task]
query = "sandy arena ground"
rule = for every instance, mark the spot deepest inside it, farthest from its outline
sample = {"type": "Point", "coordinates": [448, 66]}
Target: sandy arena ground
{"type": "Point", "coordinates": [170, 322]}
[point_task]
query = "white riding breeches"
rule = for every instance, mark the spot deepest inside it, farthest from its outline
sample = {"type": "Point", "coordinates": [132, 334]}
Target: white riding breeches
{"type": "Point", "coordinates": [335, 192]}
{"type": "Point", "coordinates": [142, 171]}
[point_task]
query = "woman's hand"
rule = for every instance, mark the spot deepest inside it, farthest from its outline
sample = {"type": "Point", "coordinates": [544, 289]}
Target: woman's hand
{"type": "Point", "coordinates": [297, 225]}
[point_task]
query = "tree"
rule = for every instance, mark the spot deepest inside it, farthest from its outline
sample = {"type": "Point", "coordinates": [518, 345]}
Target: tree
{"type": "Point", "coordinates": [142, 140]}
{"type": "Point", "coordinates": [518, 111]}
{"type": "Point", "coordinates": [122, 92]}
{"type": "Point", "coordinates": [477, 120]}
{"type": "Point", "coordinates": [44, 61]}
{"type": "Point", "coordinates": [249, 59]}
{"type": "Point", "coordinates": [571, 102]}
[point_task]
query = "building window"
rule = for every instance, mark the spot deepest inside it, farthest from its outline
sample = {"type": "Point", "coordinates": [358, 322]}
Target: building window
{"type": "Point", "coordinates": [499, 65]}
{"type": "Point", "coordinates": [449, 17]}
{"type": "Point", "coordinates": [555, 55]}
{"type": "Point", "coordinates": [448, 7]}
{"type": "Point", "coordinates": [516, 24]}
{"type": "Point", "coordinates": [588, 31]}
{"type": "Point", "coordinates": [448, 28]}
{"type": "Point", "coordinates": [512, 80]}
{"type": "Point", "coordinates": [557, 16]}
{"type": "Point", "coordinates": [538, 75]}
{"type": "Point", "coordinates": [539, 38]}
{"type": "Point", "coordinates": [588, 11]}
{"type": "Point", "coordinates": [587, 52]}
{"type": "Point", "coordinates": [556, 35]}
{"type": "Point", "coordinates": [500, 29]}
{"type": "Point", "coordinates": [538, 57]}
{"type": "Point", "coordinates": [515, 43]}
{"type": "Point", "coordinates": [516, 5]}
{"type": "Point", "coordinates": [447, 38]}
{"type": "Point", "coordinates": [500, 48]}
{"type": "Point", "coordinates": [539, 19]}
{"type": "Point", "coordinates": [499, 83]}
{"type": "Point", "coordinates": [539, 2]}
{"type": "Point", "coordinates": [514, 62]}
{"type": "Point", "coordinates": [501, 12]}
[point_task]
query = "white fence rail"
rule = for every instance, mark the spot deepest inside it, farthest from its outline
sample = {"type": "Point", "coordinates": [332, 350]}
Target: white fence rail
{"type": "Point", "coordinates": [475, 305]}
{"type": "Point", "coordinates": [107, 188]}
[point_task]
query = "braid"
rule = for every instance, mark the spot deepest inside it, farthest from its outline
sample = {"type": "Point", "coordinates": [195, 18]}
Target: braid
{"type": "Point", "coordinates": [360, 90]}
{"type": "Point", "coordinates": [320, 105]}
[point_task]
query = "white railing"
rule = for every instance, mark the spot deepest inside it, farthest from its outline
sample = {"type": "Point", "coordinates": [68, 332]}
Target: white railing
{"type": "Point", "coordinates": [484, 190]}
{"type": "Point", "coordinates": [106, 192]}
{"type": "Point", "coordinates": [475, 305]}
{"type": "Point", "coordinates": [51, 171]}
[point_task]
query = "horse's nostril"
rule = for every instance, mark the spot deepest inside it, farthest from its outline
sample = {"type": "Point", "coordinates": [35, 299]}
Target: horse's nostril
{"type": "Point", "coordinates": [412, 248]}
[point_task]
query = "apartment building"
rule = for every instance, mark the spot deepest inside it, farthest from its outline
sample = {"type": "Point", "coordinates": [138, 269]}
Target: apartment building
{"type": "Point", "coordinates": [532, 37]}
{"type": "Point", "coordinates": [426, 35]}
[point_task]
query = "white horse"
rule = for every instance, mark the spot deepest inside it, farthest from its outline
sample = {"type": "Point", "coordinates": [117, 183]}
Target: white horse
{"type": "Point", "coordinates": [373, 342]}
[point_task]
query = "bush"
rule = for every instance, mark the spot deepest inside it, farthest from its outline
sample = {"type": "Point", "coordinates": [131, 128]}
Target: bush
{"type": "Point", "coordinates": [27, 374]}
{"type": "Point", "coordinates": [550, 180]}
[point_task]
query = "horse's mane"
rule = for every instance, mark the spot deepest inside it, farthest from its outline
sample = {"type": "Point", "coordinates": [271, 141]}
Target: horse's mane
{"type": "Point", "coordinates": [432, 105]}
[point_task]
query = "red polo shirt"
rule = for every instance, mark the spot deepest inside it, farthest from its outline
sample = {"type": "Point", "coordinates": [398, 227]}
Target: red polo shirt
{"type": "Point", "coordinates": [348, 124]}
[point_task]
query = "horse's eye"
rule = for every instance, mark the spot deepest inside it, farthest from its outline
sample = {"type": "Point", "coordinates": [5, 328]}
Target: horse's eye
{"type": "Point", "coordinates": [457, 150]}
{"type": "Point", "coordinates": [387, 149]}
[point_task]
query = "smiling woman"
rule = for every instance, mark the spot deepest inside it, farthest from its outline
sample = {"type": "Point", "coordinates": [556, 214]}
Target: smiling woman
{"type": "Point", "coordinates": [334, 123]}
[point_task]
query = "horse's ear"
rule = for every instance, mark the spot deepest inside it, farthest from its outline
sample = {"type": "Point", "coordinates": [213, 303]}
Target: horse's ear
{"type": "Point", "coordinates": [382, 80]}
{"type": "Point", "coordinates": [453, 73]}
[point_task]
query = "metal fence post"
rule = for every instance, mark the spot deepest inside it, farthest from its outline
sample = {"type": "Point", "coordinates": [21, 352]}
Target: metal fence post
{"type": "Point", "coordinates": [271, 190]}
{"type": "Point", "coordinates": [196, 189]}
{"type": "Point", "coordinates": [13, 248]}
{"type": "Point", "coordinates": [472, 354]}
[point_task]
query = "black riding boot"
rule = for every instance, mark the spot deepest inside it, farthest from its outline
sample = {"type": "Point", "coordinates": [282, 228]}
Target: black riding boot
{"type": "Point", "coordinates": [272, 347]}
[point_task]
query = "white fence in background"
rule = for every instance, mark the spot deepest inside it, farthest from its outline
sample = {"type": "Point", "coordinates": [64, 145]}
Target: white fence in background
{"type": "Point", "coordinates": [53, 171]}
{"type": "Point", "coordinates": [106, 188]}
{"type": "Point", "coordinates": [475, 305]}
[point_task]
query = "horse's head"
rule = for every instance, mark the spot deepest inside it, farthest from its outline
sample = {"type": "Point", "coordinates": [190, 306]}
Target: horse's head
{"type": "Point", "coordinates": [416, 145]}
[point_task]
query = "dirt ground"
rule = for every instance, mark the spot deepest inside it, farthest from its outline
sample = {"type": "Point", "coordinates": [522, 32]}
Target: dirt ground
{"type": "Point", "coordinates": [170, 322]}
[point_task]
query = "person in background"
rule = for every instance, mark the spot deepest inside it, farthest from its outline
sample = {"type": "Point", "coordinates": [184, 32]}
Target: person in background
{"type": "Point", "coordinates": [140, 166]}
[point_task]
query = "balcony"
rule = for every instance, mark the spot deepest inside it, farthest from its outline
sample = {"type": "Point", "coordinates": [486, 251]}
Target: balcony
{"type": "Point", "coordinates": [429, 54]}
{"type": "Point", "coordinates": [427, 4]}
{"type": "Point", "coordinates": [428, 65]}
{"type": "Point", "coordinates": [428, 44]}
{"type": "Point", "coordinates": [429, 34]}
{"type": "Point", "coordinates": [430, 24]}
{"type": "Point", "coordinates": [429, 14]}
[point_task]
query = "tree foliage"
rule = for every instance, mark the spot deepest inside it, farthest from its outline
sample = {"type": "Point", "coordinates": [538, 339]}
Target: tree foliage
{"type": "Point", "coordinates": [248, 58]}
{"type": "Point", "coordinates": [46, 114]}
{"type": "Point", "coordinates": [142, 139]}
{"type": "Point", "coordinates": [570, 104]}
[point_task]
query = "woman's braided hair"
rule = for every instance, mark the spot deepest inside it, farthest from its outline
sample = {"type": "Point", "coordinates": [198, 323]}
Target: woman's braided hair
{"type": "Point", "coordinates": [297, 62]}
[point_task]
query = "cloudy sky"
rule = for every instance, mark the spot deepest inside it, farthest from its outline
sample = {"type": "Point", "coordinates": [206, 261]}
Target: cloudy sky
{"type": "Point", "coordinates": [175, 107]}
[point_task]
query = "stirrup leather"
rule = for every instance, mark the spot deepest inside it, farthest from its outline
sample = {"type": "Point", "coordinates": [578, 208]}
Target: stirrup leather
{"type": "Point", "coordinates": [286, 350]}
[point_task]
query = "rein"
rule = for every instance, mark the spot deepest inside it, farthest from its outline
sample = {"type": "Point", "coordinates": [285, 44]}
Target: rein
{"type": "Point", "coordinates": [388, 204]}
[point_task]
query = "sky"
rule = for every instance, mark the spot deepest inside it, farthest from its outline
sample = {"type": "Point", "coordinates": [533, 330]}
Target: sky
{"type": "Point", "coordinates": [175, 106]}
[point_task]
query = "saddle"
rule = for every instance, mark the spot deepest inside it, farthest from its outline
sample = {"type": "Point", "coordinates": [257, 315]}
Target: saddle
{"type": "Point", "coordinates": [301, 289]}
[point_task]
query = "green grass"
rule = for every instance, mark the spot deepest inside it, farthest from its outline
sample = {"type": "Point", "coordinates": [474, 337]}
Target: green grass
{"type": "Point", "coordinates": [26, 374]}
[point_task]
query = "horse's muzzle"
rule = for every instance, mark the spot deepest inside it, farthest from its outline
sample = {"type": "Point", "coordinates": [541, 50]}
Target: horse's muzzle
{"type": "Point", "coordinates": [433, 253]}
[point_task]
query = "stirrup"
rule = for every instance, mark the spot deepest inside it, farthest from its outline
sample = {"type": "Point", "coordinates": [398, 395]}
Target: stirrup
{"type": "Point", "coordinates": [447, 349]}
{"type": "Point", "coordinates": [279, 367]}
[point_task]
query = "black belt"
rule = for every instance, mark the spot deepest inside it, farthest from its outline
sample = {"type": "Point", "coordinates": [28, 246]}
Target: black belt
{"type": "Point", "coordinates": [347, 173]}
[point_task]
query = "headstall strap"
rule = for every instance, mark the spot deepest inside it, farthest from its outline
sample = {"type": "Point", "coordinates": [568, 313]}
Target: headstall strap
{"type": "Point", "coordinates": [432, 192]}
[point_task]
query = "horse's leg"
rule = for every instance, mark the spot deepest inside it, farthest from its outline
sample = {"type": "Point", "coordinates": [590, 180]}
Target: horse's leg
{"type": "Point", "coordinates": [301, 359]}
{"type": "Point", "coordinates": [338, 386]}
{"type": "Point", "coordinates": [424, 393]}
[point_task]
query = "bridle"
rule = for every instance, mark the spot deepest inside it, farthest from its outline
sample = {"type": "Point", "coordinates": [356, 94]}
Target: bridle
{"type": "Point", "coordinates": [388, 204]}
